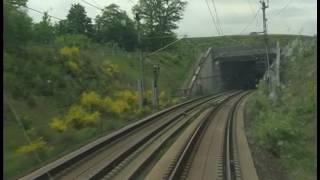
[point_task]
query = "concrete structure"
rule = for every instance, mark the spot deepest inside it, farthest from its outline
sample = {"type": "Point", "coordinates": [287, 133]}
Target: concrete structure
{"type": "Point", "coordinates": [228, 68]}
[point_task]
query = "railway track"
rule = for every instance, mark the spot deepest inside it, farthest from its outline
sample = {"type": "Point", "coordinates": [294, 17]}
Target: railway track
{"type": "Point", "coordinates": [211, 148]}
{"type": "Point", "coordinates": [109, 155]}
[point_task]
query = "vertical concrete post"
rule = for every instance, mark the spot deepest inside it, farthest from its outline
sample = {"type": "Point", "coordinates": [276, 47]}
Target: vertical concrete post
{"type": "Point", "coordinates": [155, 97]}
{"type": "Point", "coordinates": [140, 93]}
{"type": "Point", "coordinates": [278, 66]}
{"type": "Point", "coordinates": [275, 75]}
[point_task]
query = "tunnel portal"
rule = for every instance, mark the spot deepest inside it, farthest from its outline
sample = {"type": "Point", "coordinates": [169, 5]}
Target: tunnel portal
{"type": "Point", "coordinates": [230, 68]}
{"type": "Point", "coordinates": [242, 72]}
{"type": "Point", "coordinates": [240, 75]}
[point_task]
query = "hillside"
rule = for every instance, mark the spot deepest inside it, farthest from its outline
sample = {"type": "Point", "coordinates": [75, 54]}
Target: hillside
{"type": "Point", "coordinates": [283, 133]}
{"type": "Point", "coordinates": [44, 82]}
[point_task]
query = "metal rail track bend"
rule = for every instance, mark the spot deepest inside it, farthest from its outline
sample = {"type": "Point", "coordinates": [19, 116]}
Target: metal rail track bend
{"type": "Point", "coordinates": [110, 150]}
{"type": "Point", "coordinates": [139, 161]}
{"type": "Point", "coordinates": [220, 124]}
{"type": "Point", "coordinates": [231, 166]}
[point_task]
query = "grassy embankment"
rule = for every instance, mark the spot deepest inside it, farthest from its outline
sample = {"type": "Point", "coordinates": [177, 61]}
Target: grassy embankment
{"type": "Point", "coordinates": [39, 87]}
{"type": "Point", "coordinates": [286, 129]}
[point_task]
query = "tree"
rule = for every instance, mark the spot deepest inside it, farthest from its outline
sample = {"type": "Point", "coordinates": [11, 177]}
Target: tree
{"type": "Point", "coordinates": [77, 22]}
{"type": "Point", "coordinates": [43, 31]}
{"type": "Point", "coordinates": [114, 25]}
{"type": "Point", "coordinates": [17, 24]}
{"type": "Point", "coordinates": [17, 3]}
{"type": "Point", "coordinates": [159, 18]}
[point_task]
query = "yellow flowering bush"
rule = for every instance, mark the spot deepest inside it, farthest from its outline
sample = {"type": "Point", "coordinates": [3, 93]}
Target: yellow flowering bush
{"type": "Point", "coordinates": [36, 145]}
{"type": "Point", "coordinates": [70, 53]}
{"type": "Point", "coordinates": [58, 124]}
{"type": "Point", "coordinates": [129, 96]}
{"type": "Point", "coordinates": [73, 67]}
{"type": "Point", "coordinates": [119, 106]}
{"type": "Point", "coordinates": [89, 99]}
{"type": "Point", "coordinates": [110, 69]}
{"type": "Point", "coordinates": [77, 117]}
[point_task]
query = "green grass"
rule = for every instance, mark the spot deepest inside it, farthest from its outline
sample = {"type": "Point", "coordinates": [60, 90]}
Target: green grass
{"type": "Point", "coordinates": [286, 128]}
{"type": "Point", "coordinates": [25, 83]}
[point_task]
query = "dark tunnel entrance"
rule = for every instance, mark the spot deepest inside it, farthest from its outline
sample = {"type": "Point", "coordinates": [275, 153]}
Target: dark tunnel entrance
{"type": "Point", "coordinates": [241, 74]}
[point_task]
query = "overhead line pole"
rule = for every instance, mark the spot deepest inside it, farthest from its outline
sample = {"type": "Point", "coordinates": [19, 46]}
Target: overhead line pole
{"type": "Point", "coordinates": [140, 81]}
{"type": "Point", "coordinates": [264, 7]}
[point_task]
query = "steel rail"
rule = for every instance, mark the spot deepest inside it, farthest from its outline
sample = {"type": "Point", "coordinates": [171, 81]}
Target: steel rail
{"type": "Point", "coordinates": [229, 159]}
{"type": "Point", "coordinates": [190, 146]}
{"type": "Point", "coordinates": [73, 157]}
{"type": "Point", "coordinates": [166, 135]}
{"type": "Point", "coordinates": [101, 171]}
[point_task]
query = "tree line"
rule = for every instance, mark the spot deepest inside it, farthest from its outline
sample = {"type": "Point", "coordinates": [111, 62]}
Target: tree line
{"type": "Point", "coordinates": [154, 24]}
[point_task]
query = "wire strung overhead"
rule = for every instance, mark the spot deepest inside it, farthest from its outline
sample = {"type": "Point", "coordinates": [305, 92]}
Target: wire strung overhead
{"type": "Point", "coordinates": [250, 6]}
{"type": "Point", "coordinates": [282, 9]}
{"type": "Point", "coordinates": [217, 17]}
{"type": "Point", "coordinates": [166, 46]}
{"type": "Point", "coordinates": [35, 10]}
{"type": "Point", "coordinates": [91, 5]}
{"type": "Point", "coordinates": [253, 19]}
{"type": "Point", "coordinates": [213, 19]}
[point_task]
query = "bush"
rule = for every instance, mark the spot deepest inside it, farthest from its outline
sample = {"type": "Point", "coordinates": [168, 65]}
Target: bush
{"type": "Point", "coordinates": [77, 40]}
{"type": "Point", "coordinates": [109, 69]}
{"type": "Point", "coordinates": [35, 146]}
{"type": "Point", "coordinates": [285, 127]}
{"type": "Point", "coordinates": [77, 118]}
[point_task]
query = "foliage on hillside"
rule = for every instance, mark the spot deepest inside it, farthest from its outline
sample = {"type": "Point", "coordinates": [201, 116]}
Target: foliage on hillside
{"type": "Point", "coordinates": [286, 128]}
{"type": "Point", "coordinates": [73, 81]}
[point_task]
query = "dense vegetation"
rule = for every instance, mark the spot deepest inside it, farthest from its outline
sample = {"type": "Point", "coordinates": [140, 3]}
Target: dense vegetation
{"type": "Point", "coordinates": [75, 80]}
{"type": "Point", "coordinates": [72, 81]}
{"type": "Point", "coordinates": [287, 128]}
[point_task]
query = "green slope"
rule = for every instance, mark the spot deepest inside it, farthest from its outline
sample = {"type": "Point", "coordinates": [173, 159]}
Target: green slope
{"type": "Point", "coordinates": [40, 87]}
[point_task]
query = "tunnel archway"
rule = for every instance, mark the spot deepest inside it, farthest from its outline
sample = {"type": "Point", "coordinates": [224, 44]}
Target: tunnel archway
{"type": "Point", "coordinates": [240, 74]}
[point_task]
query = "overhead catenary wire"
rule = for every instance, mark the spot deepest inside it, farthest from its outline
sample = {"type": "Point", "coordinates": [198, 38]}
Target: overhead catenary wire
{"type": "Point", "coordinates": [160, 37]}
{"type": "Point", "coordinates": [282, 9]}
{"type": "Point", "coordinates": [166, 46]}
{"type": "Point", "coordinates": [213, 19]}
{"type": "Point", "coordinates": [96, 3]}
{"type": "Point", "coordinates": [253, 19]}
{"type": "Point", "coordinates": [92, 5]}
{"type": "Point", "coordinates": [42, 12]}
{"type": "Point", "coordinates": [250, 6]}
{"type": "Point", "coordinates": [131, 1]}
{"type": "Point", "coordinates": [60, 19]}
{"type": "Point", "coordinates": [217, 17]}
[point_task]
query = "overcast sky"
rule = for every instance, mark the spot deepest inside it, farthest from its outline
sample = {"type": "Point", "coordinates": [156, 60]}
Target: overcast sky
{"type": "Point", "coordinates": [285, 16]}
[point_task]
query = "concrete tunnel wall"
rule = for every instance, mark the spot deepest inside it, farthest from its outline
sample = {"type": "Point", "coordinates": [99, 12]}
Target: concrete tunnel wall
{"type": "Point", "coordinates": [209, 79]}
{"type": "Point", "coordinates": [241, 71]}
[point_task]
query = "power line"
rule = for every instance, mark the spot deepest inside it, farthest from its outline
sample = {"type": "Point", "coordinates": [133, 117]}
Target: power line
{"type": "Point", "coordinates": [159, 37]}
{"type": "Point", "coordinates": [245, 28]}
{"type": "Point", "coordinates": [250, 6]}
{"type": "Point", "coordinates": [96, 2]}
{"type": "Point", "coordinates": [92, 5]}
{"type": "Point", "coordinates": [131, 2]}
{"type": "Point", "coordinates": [213, 19]}
{"type": "Point", "coordinates": [166, 46]}
{"type": "Point", "coordinates": [41, 12]}
{"type": "Point", "coordinates": [217, 16]}
{"type": "Point", "coordinates": [283, 8]}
